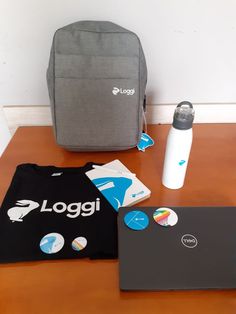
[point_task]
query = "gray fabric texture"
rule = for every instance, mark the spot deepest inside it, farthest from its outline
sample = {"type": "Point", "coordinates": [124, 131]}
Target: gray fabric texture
{"type": "Point", "coordinates": [96, 80]}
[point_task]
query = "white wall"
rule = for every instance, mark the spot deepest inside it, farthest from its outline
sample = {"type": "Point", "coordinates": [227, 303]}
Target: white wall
{"type": "Point", "coordinates": [190, 45]}
{"type": "Point", "coordinates": [5, 135]}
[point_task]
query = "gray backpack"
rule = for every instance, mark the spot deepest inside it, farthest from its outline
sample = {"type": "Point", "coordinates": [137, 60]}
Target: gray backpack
{"type": "Point", "coordinates": [96, 80]}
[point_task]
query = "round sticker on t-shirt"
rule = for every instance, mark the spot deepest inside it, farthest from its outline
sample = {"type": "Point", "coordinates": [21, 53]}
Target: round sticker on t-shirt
{"type": "Point", "coordinates": [136, 220]}
{"type": "Point", "coordinates": [79, 243]}
{"type": "Point", "coordinates": [52, 243]}
{"type": "Point", "coordinates": [165, 217]}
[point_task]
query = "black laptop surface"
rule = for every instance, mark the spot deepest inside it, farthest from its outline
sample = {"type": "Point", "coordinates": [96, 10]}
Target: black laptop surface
{"type": "Point", "coordinates": [180, 248]}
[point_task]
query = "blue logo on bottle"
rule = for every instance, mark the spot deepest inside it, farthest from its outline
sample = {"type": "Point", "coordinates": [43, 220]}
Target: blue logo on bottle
{"type": "Point", "coordinates": [182, 162]}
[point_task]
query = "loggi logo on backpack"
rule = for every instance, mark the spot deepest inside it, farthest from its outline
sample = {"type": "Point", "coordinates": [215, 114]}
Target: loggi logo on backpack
{"type": "Point", "coordinates": [128, 92]}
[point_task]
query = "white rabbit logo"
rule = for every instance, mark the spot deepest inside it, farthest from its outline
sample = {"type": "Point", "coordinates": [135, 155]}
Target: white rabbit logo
{"type": "Point", "coordinates": [16, 213]}
{"type": "Point", "coordinates": [73, 210]}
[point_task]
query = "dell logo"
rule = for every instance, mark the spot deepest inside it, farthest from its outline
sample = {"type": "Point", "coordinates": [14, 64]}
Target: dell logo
{"type": "Point", "coordinates": [128, 92]}
{"type": "Point", "coordinates": [189, 241]}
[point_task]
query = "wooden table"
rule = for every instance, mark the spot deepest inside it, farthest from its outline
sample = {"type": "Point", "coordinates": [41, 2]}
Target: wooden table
{"type": "Point", "coordinates": [84, 286]}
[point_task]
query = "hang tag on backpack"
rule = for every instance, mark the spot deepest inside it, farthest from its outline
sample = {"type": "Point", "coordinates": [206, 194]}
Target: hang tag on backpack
{"type": "Point", "coordinates": [145, 142]}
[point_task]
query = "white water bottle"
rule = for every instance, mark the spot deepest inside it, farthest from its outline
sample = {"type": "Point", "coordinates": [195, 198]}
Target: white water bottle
{"type": "Point", "coordinates": [178, 146]}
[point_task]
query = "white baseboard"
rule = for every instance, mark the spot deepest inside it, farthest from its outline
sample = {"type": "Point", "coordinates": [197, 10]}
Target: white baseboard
{"type": "Point", "coordinates": [5, 135]}
{"type": "Point", "coordinates": [204, 113]}
{"type": "Point", "coordinates": [27, 116]}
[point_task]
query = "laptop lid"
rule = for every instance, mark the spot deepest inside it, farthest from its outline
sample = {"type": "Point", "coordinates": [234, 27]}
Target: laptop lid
{"type": "Point", "coordinates": [180, 248]}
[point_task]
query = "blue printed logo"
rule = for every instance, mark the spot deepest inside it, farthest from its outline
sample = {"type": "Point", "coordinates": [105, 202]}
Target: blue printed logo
{"type": "Point", "coordinates": [137, 194]}
{"type": "Point", "coordinates": [182, 162]}
{"type": "Point", "coordinates": [113, 189]}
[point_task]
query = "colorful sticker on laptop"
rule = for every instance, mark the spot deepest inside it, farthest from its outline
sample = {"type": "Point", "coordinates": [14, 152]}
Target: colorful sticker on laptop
{"type": "Point", "coordinates": [136, 220]}
{"type": "Point", "coordinates": [165, 217]}
{"type": "Point", "coordinates": [79, 243]}
{"type": "Point", "coordinates": [52, 243]}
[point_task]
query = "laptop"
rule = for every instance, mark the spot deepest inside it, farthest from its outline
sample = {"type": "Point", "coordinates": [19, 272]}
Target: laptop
{"type": "Point", "coordinates": [177, 248]}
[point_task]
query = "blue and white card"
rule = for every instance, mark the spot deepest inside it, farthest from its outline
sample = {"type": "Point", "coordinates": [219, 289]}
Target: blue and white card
{"type": "Point", "coordinates": [118, 185]}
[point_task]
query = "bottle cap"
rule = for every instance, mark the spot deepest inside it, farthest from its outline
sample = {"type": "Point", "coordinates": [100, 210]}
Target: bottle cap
{"type": "Point", "coordinates": [183, 116]}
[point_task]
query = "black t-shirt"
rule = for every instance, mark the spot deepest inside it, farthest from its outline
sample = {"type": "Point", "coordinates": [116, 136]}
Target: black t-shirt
{"type": "Point", "coordinates": [55, 213]}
